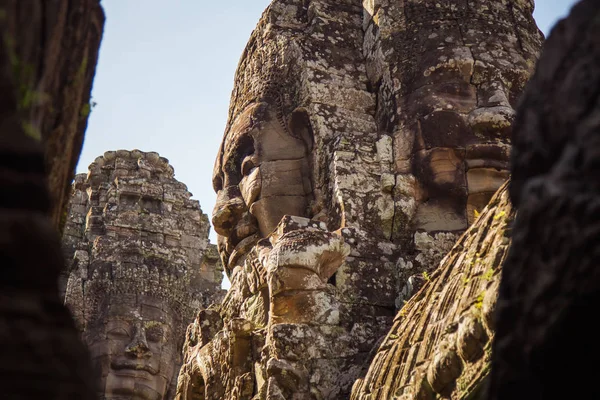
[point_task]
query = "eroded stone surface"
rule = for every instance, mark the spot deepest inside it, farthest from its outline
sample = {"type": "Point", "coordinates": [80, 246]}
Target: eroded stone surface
{"type": "Point", "coordinates": [440, 343]}
{"type": "Point", "coordinates": [52, 52]}
{"type": "Point", "coordinates": [141, 268]}
{"type": "Point", "coordinates": [359, 137]}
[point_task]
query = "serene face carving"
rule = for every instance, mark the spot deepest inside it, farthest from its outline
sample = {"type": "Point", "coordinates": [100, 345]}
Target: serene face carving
{"type": "Point", "coordinates": [461, 147]}
{"type": "Point", "coordinates": [262, 175]}
{"type": "Point", "coordinates": [134, 346]}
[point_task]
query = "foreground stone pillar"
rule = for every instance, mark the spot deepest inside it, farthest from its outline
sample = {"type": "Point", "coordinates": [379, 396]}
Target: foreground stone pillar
{"type": "Point", "coordinates": [141, 268]}
{"type": "Point", "coordinates": [550, 290]}
{"type": "Point", "coordinates": [48, 54]}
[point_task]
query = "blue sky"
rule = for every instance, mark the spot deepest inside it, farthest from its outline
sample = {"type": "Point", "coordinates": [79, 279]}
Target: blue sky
{"type": "Point", "coordinates": [165, 76]}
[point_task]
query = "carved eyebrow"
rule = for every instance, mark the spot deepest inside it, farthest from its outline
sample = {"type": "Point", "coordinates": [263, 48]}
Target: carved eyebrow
{"type": "Point", "coordinates": [236, 153]}
{"type": "Point", "coordinates": [113, 326]}
{"type": "Point", "coordinates": [217, 181]}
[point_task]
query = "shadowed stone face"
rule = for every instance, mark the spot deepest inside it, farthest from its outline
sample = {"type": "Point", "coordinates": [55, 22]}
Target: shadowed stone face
{"type": "Point", "coordinates": [263, 174]}
{"type": "Point", "coordinates": [447, 79]}
{"type": "Point", "coordinates": [461, 149]}
{"type": "Point", "coordinates": [134, 347]}
{"type": "Point", "coordinates": [451, 81]}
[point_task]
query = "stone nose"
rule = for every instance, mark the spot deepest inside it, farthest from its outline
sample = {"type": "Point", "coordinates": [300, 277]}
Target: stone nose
{"type": "Point", "coordinates": [229, 209]}
{"type": "Point", "coordinates": [138, 347]}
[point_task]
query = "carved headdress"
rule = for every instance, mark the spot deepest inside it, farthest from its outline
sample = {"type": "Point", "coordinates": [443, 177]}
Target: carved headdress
{"type": "Point", "coordinates": [134, 231]}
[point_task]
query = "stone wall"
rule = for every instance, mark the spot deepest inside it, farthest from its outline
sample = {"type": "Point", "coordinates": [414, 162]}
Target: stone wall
{"type": "Point", "coordinates": [55, 80]}
{"type": "Point", "coordinates": [141, 266]}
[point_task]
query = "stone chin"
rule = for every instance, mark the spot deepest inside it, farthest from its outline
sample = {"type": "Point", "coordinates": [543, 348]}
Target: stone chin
{"type": "Point", "coordinates": [131, 384]}
{"type": "Point", "coordinates": [132, 379]}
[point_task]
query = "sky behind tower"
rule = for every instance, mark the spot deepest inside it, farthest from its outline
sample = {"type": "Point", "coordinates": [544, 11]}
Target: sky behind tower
{"type": "Point", "coordinates": [165, 76]}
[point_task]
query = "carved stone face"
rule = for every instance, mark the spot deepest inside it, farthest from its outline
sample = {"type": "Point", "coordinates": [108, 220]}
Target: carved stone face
{"type": "Point", "coordinates": [134, 347]}
{"type": "Point", "coordinates": [262, 175]}
{"type": "Point", "coordinates": [461, 146]}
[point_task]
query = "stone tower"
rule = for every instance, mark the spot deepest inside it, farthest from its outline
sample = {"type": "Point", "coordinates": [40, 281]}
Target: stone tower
{"type": "Point", "coordinates": [362, 137]}
{"type": "Point", "coordinates": [141, 267]}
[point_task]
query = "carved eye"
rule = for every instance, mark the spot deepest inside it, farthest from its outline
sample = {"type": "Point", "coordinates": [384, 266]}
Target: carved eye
{"type": "Point", "coordinates": [118, 333]}
{"type": "Point", "coordinates": [247, 166]}
{"type": "Point", "coordinates": [155, 334]}
{"type": "Point", "coordinates": [244, 150]}
{"type": "Point", "coordinates": [301, 128]}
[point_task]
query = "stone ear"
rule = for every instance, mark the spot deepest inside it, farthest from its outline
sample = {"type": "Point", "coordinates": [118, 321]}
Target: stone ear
{"type": "Point", "coordinates": [300, 127]}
